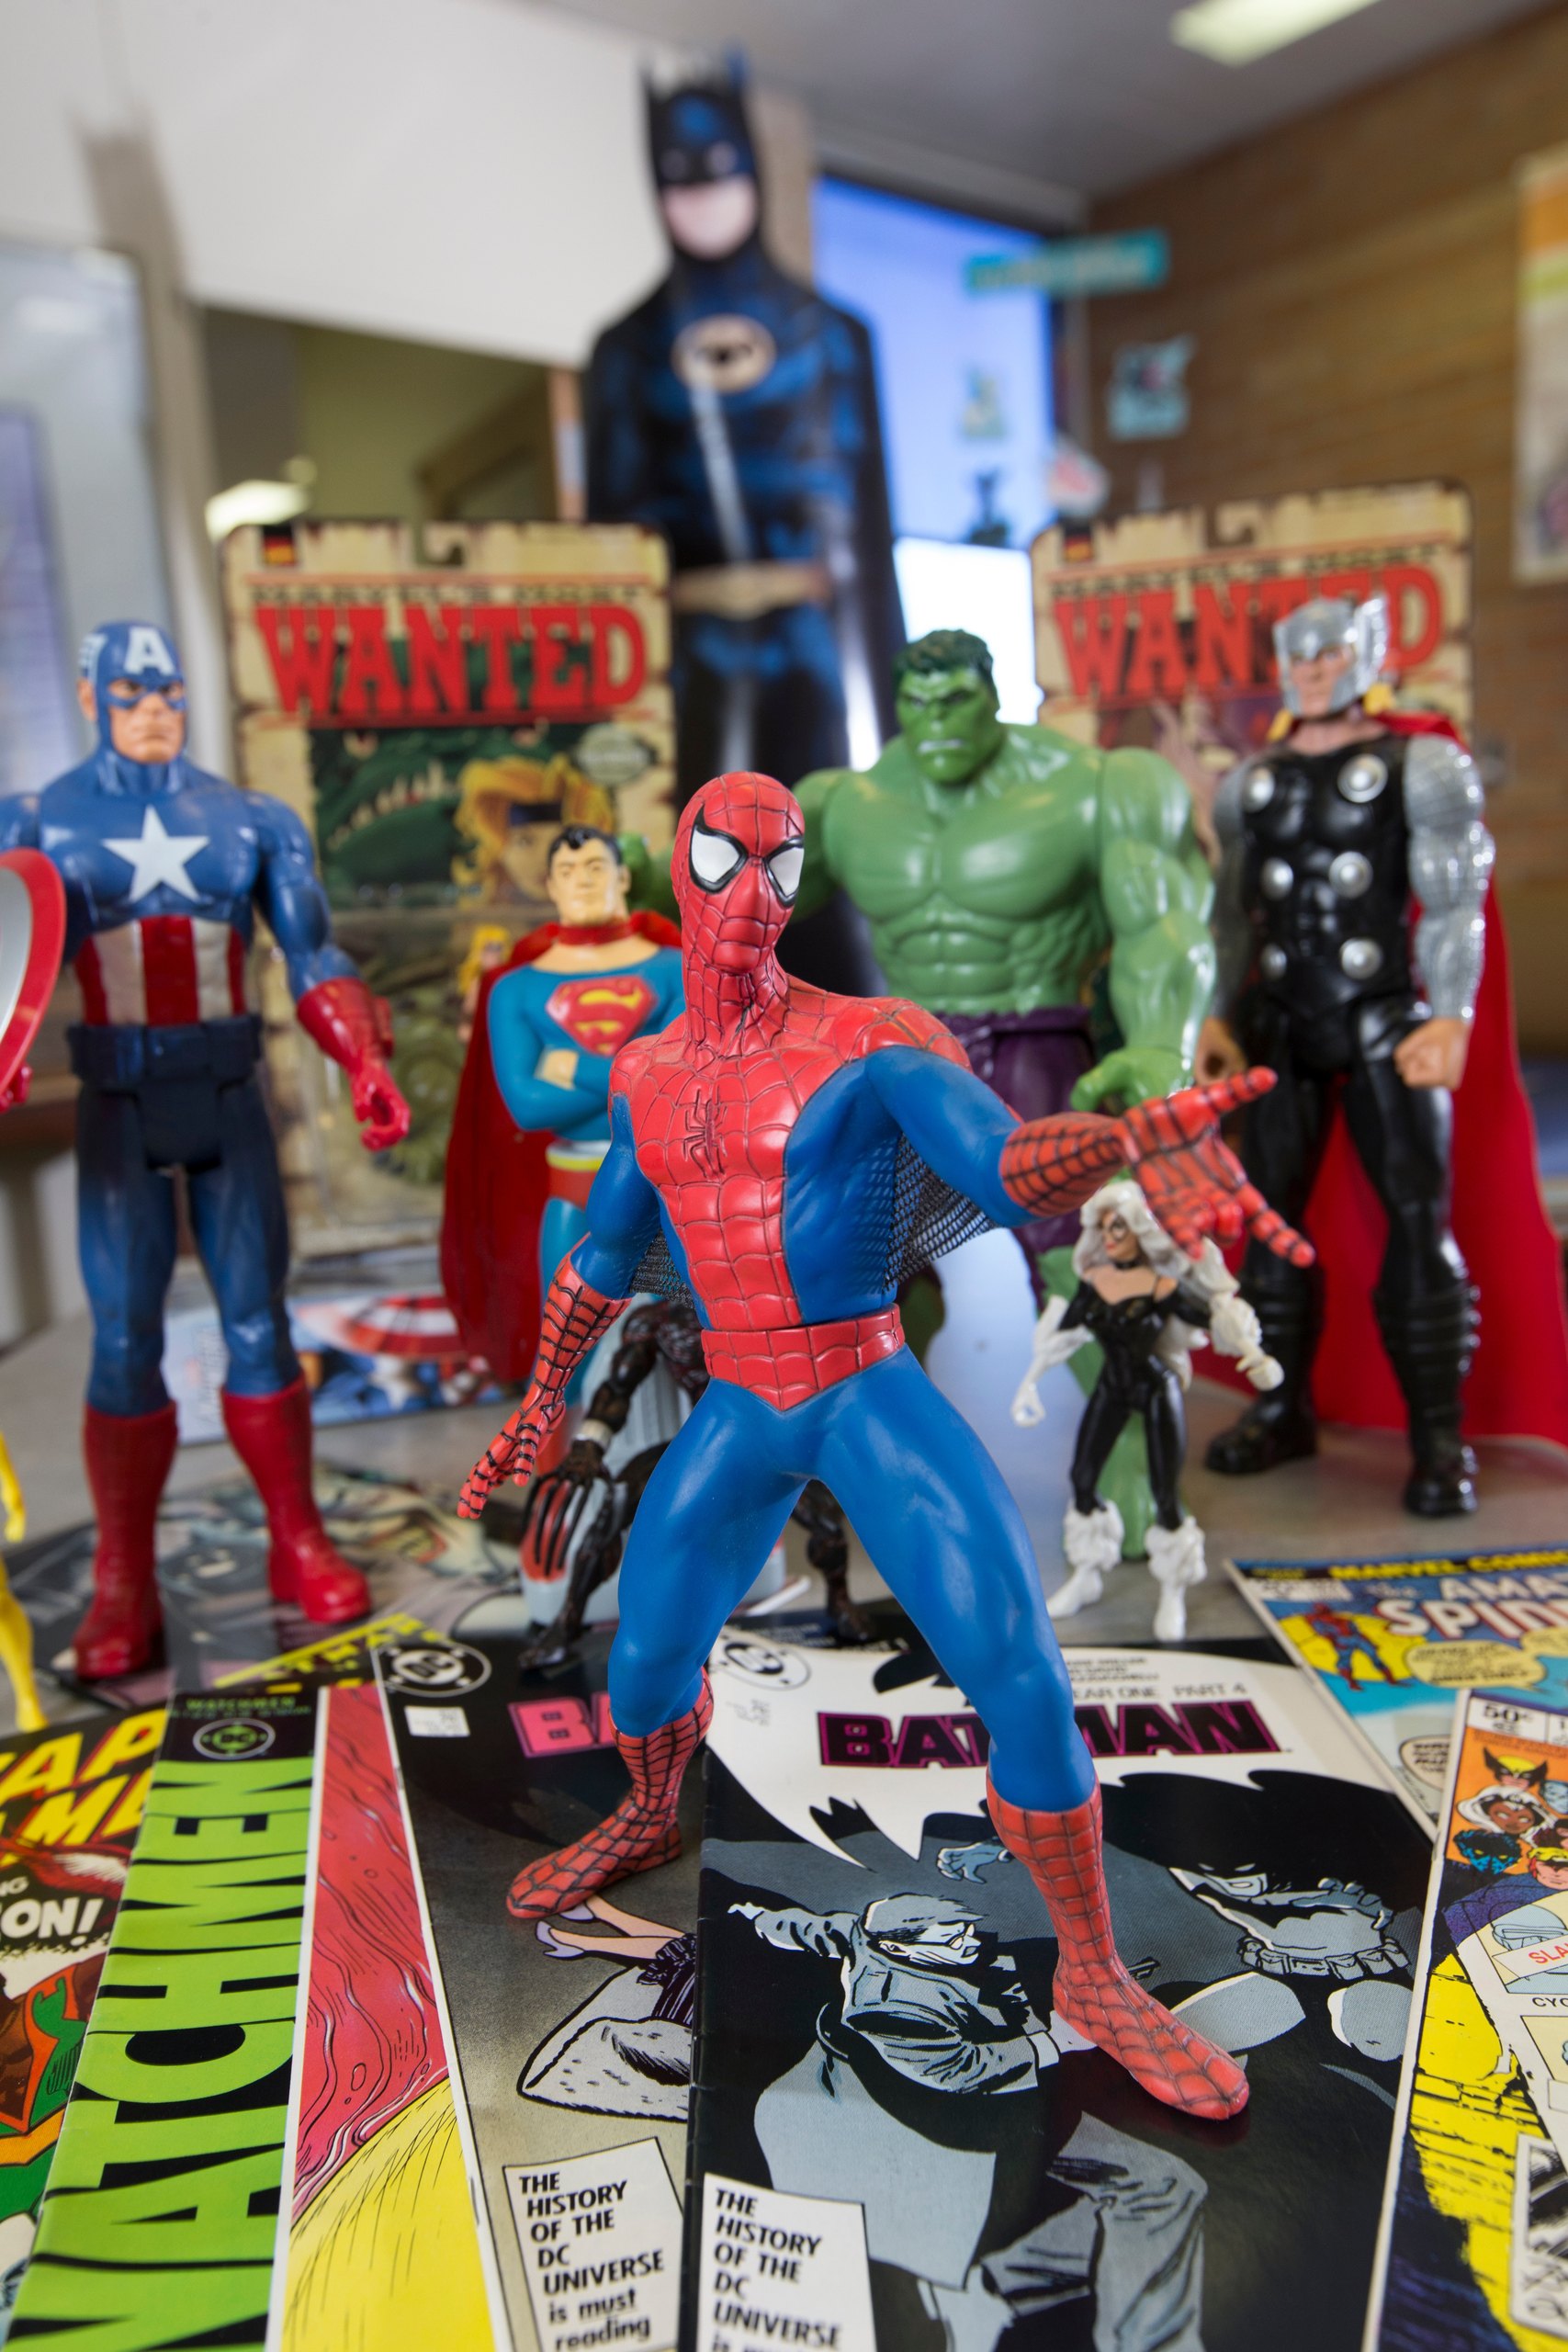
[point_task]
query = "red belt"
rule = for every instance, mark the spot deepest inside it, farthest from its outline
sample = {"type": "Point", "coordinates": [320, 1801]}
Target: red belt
{"type": "Point", "coordinates": [786, 1367]}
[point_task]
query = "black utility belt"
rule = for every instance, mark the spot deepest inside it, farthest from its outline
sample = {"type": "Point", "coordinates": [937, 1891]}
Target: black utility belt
{"type": "Point", "coordinates": [119, 1055]}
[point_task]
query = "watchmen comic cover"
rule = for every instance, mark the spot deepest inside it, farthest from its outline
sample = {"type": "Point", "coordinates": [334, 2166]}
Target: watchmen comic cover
{"type": "Point", "coordinates": [897, 2147]}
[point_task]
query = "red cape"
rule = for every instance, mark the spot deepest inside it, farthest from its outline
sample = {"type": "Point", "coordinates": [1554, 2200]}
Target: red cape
{"type": "Point", "coordinates": [497, 1184]}
{"type": "Point", "coordinates": [1518, 1385]}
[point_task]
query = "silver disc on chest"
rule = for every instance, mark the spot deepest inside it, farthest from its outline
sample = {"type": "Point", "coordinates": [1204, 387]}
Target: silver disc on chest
{"type": "Point", "coordinates": [1362, 778]}
{"type": "Point", "coordinates": [1259, 789]}
{"type": "Point", "coordinates": [1351, 874]}
{"type": "Point", "coordinates": [1271, 963]}
{"type": "Point", "coordinates": [1361, 958]}
{"type": "Point", "coordinates": [1276, 877]}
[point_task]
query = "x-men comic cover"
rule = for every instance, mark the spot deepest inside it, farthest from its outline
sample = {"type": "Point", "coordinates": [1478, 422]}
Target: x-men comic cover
{"type": "Point", "coordinates": [1392, 1641]}
{"type": "Point", "coordinates": [70, 1800]}
{"type": "Point", "coordinates": [895, 2144]}
{"type": "Point", "coordinates": [569, 2039]}
{"type": "Point", "coordinates": [1473, 2245]}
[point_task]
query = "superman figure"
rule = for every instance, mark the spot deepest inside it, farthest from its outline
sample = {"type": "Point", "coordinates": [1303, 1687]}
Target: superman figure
{"type": "Point", "coordinates": [784, 1152]}
{"type": "Point", "coordinates": [165, 868]}
{"type": "Point", "coordinates": [532, 1122]}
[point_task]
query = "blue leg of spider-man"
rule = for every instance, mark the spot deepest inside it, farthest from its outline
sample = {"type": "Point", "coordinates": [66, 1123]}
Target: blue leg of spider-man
{"type": "Point", "coordinates": [931, 1510]}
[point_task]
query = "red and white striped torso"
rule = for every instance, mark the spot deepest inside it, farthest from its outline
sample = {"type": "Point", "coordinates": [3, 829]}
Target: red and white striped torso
{"type": "Point", "coordinates": [162, 971]}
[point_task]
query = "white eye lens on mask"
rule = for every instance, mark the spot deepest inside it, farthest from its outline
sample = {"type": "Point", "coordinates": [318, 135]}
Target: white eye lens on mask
{"type": "Point", "coordinates": [784, 866]}
{"type": "Point", "coordinates": [714, 857]}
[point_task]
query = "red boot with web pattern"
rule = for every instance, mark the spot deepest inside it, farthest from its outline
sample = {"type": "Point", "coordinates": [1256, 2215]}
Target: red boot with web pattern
{"type": "Point", "coordinates": [1093, 1991]}
{"type": "Point", "coordinates": [639, 1834]}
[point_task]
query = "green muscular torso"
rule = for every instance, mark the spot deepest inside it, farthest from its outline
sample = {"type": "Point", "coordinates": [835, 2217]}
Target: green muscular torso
{"type": "Point", "coordinates": [1001, 894]}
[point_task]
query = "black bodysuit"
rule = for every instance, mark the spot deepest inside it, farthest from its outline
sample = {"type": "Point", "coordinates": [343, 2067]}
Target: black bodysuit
{"type": "Point", "coordinates": [1134, 1378]}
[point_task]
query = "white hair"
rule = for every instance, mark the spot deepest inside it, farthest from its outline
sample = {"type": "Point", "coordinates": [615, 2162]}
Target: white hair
{"type": "Point", "coordinates": [1207, 1273]}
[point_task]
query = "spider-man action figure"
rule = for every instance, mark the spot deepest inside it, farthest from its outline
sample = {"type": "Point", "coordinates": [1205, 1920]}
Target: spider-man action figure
{"type": "Point", "coordinates": [764, 1137]}
{"type": "Point", "coordinates": [582, 1500]}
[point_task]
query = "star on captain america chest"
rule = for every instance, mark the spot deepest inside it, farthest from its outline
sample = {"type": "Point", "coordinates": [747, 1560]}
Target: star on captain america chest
{"type": "Point", "coordinates": [159, 895]}
{"type": "Point", "coordinates": [602, 1010]}
{"type": "Point", "coordinates": [1328, 855]}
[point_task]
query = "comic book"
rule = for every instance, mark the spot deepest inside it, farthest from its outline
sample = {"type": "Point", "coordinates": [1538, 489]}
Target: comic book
{"type": "Point", "coordinates": [70, 1799]}
{"type": "Point", "coordinates": [895, 2144]}
{"type": "Point", "coordinates": [380, 2252]}
{"type": "Point", "coordinates": [571, 2040]}
{"type": "Point", "coordinates": [1474, 2243]}
{"type": "Point", "coordinates": [160, 2221]}
{"type": "Point", "coordinates": [1392, 1641]}
{"type": "Point", "coordinates": [435, 703]}
{"type": "Point", "coordinates": [220, 1618]}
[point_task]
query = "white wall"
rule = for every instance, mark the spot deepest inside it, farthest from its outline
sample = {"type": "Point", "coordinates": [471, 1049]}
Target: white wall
{"type": "Point", "coordinates": [468, 172]}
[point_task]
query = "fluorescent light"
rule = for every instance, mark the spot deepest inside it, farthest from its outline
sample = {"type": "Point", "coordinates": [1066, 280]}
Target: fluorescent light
{"type": "Point", "coordinates": [1234, 33]}
{"type": "Point", "coordinates": [254, 502]}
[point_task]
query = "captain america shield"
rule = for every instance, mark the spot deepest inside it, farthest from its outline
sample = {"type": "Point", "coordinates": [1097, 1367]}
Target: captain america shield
{"type": "Point", "coordinates": [32, 936]}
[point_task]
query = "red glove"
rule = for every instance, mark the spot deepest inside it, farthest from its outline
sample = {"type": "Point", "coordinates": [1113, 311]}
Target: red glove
{"type": "Point", "coordinates": [1192, 1182]}
{"type": "Point", "coordinates": [353, 1028]}
{"type": "Point", "coordinates": [575, 1315]}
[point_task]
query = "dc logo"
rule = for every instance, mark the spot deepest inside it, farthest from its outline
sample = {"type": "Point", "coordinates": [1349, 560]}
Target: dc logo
{"type": "Point", "coordinates": [443, 1666]}
{"type": "Point", "coordinates": [231, 1742]}
{"type": "Point", "coordinates": [765, 1662]}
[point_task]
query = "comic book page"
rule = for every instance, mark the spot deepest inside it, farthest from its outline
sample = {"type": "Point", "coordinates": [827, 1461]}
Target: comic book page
{"type": "Point", "coordinates": [435, 707]}
{"type": "Point", "coordinates": [894, 2136]}
{"type": "Point", "coordinates": [1508, 1822]}
{"type": "Point", "coordinates": [381, 2250]}
{"type": "Point", "coordinates": [1473, 2245]}
{"type": "Point", "coordinates": [160, 2222]}
{"type": "Point", "coordinates": [1391, 1641]}
{"type": "Point", "coordinates": [1158, 629]}
{"type": "Point", "coordinates": [70, 1800]}
{"type": "Point", "coordinates": [569, 2039]}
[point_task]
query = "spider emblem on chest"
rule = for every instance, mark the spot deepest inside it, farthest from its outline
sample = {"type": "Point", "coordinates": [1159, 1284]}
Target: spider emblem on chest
{"type": "Point", "coordinates": [702, 1135]}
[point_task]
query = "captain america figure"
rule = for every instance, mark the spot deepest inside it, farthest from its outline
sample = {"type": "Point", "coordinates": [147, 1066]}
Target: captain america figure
{"type": "Point", "coordinates": [164, 869]}
{"type": "Point", "coordinates": [785, 1152]}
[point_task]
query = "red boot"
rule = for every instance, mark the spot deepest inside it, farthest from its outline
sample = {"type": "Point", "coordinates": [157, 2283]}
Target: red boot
{"type": "Point", "coordinates": [640, 1834]}
{"type": "Point", "coordinates": [272, 1437]}
{"type": "Point", "coordinates": [128, 1458]}
{"type": "Point", "coordinates": [1093, 1991]}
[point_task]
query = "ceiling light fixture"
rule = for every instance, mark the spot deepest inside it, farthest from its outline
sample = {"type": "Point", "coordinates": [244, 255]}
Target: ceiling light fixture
{"type": "Point", "coordinates": [1234, 33]}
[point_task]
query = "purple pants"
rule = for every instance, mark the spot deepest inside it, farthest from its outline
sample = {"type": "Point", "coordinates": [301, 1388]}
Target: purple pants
{"type": "Point", "coordinates": [1033, 1061]}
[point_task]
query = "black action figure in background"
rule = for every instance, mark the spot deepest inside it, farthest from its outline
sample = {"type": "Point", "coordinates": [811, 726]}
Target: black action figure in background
{"type": "Point", "coordinates": [581, 1494]}
{"type": "Point", "coordinates": [735, 410]}
{"type": "Point", "coordinates": [1328, 836]}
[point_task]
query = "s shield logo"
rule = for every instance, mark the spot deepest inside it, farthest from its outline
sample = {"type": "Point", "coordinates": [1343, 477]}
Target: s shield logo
{"type": "Point", "coordinates": [599, 1015]}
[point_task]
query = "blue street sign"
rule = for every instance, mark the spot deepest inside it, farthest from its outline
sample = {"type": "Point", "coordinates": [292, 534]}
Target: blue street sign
{"type": "Point", "coordinates": [1129, 262]}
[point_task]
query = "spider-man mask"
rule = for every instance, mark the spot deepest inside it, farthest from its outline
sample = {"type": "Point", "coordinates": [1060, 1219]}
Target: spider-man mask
{"type": "Point", "coordinates": [738, 851]}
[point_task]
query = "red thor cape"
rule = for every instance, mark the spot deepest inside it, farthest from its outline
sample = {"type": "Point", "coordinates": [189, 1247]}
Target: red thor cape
{"type": "Point", "coordinates": [497, 1184]}
{"type": "Point", "coordinates": [1517, 1384]}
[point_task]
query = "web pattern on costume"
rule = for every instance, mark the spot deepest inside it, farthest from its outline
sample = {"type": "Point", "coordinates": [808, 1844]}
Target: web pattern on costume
{"type": "Point", "coordinates": [930, 1219]}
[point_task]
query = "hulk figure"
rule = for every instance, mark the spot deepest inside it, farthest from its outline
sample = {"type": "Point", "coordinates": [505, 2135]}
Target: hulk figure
{"type": "Point", "coordinates": [996, 865]}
